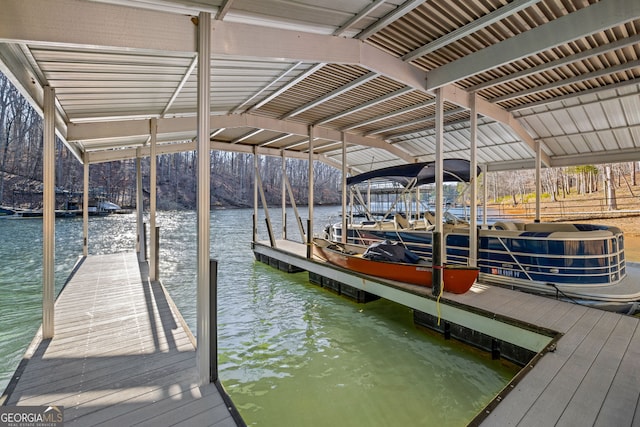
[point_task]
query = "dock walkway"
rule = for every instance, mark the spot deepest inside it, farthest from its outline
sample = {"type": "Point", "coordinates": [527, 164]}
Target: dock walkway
{"type": "Point", "coordinates": [121, 355]}
{"type": "Point", "coordinates": [592, 378]}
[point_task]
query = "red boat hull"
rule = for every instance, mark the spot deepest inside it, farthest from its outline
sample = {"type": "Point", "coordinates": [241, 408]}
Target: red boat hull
{"type": "Point", "coordinates": [457, 279]}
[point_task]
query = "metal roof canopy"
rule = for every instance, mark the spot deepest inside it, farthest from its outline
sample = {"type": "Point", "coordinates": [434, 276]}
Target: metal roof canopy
{"type": "Point", "coordinates": [564, 73]}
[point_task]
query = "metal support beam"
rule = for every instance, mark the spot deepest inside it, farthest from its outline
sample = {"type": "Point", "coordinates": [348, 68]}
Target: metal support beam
{"type": "Point", "coordinates": [472, 27]}
{"type": "Point", "coordinates": [141, 243]}
{"type": "Point", "coordinates": [485, 195]}
{"type": "Point", "coordinates": [538, 181]}
{"type": "Point", "coordinates": [85, 205]}
{"type": "Point", "coordinates": [437, 286]}
{"type": "Point", "coordinates": [592, 19]}
{"type": "Point", "coordinates": [49, 213]}
{"type": "Point", "coordinates": [344, 189]}
{"type": "Point", "coordinates": [255, 194]}
{"type": "Point", "coordinates": [203, 352]}
{"type": "Point", "coordinates": [311, 183]}
{"type": "Point", "coordinates": [473, 206]}
{"type": "Point", "coordinates": [265, 206]}
{"type": "Point", "coordinates": [284, 195]}
{"type": "Point", "coordinates": [153, 189]}
{"type": "Point", "coordinates": [462, 98]}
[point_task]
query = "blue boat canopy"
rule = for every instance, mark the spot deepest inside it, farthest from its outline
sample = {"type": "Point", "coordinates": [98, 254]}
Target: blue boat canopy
{"type": "Point", "coordinates": [454, 170]}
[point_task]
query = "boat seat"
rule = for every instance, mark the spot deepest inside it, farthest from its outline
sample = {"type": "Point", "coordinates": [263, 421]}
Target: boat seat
{"type": "Point", "coordinates": [505, 225]}
{"type": "Point", "coordinates": [401, 222]}
{"type": "Point", "coordinates": [550, 227]}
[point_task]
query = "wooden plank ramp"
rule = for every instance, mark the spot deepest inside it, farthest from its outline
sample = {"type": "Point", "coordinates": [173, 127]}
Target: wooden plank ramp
{"type": "Point", "coordinates": [592, 378]}
{"type": "Point", "coordinates": [121, 355]}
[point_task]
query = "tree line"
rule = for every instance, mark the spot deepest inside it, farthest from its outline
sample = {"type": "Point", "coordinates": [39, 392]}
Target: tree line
{"type": "Point", "coordinates": [232, 174]}
{"type": "Point", "coordinates": [559, 183]}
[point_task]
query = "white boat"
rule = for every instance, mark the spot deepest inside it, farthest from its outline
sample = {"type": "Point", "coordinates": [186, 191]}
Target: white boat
{"type": "Point", "coordinates": [582, 263]}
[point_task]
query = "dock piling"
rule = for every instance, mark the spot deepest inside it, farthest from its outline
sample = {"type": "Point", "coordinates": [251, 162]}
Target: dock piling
{"type": "Point", "coordinates": [436, 264]}
{"type": "Point", "coordinates": [157, 254]}
{"type": "Point", "coordinates": [213, 313]}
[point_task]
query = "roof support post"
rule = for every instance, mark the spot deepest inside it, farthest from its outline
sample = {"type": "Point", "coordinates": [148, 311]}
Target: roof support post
{"type": "Point", "coordinates": [203, 353]}
{"type": "Point", "coordinates": [153, 188]}
{"type": "Point", "coordinates": [310, 200]}
{"type": "Point", "coordinates": [437, 235]}
{"type": "Point", "coordinates": [538, 180]}
{"type": "Point", "coordinates": [141, 243]}
{"type": "Point", "coordinates": [284, 195]}
{"type": "Point", "coordinates": [255, 194]}
{"type": "Point", "coordinates": [485, 194]}
{"type": "Point", "coordinates": [473, 205]}
{"type": "Point", "coordinates": [85, 205]}
{"type": "Point", "coordinates": [344, 189]}
{"type": "Point", "coordinates": [49, 213]}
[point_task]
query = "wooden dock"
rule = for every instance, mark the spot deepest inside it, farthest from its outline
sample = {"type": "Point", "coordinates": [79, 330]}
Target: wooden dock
{"type": "Point", "coordinates": [592, 377]}
{"type": "Point", "coordinates": [121, 355]}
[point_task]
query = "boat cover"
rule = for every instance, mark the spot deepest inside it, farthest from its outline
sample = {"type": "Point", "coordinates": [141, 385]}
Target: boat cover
{"type": "Point", "coordinates": [389, 251]}
{"type": "Point", "coordinates": [452, 170]}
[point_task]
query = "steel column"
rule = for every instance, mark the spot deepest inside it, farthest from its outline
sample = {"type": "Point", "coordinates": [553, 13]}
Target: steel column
{"type": "Point", "coordinates": [311, 184]}
{"type": "Point", "coordinates": [538, 181]}
{"type": "Point", "coordinates": [344, 189]}
{"type": "Point", "coordinates": [485, 194]}
{"type": "Point", "coordinates": [437, 235]}
{"type": "Point", "coordinates": [204, 199]}
{"type": "Point", "coordinates": [49, 213]}
{"type": "Point", "coordinates": [473, 207]}
{"type": "Point", "coordinates": [255, 194]}
{"type": "Point", "coordinates": [141, 243]}
{"type": "Point", "coordinates": [284, 195]}
{"type": "Point", "coordinates": [153, 187]}
{"type": "Point", "coordinates": [85, 205]}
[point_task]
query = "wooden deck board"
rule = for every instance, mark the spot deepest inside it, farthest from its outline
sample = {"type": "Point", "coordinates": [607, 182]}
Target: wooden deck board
{"type": "Point", "coordinates": [136, 410]}
{"type": "Point", "coordinates": [592, 377]}
{"type": "Point", "coordinates": [551, 404]}
{"type": "Point", "coordinates": [120, 352]}
{"type": "Point", "coordinates": [589, 380]}
{"type": "Point", "coordinates": [586, 402]}
{"type": "Point", "coordinates": [622, 400]}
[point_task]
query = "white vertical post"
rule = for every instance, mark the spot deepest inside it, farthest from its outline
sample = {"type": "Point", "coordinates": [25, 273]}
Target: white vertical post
{"type": "Point", "coordinates": [153, 191]}
{"type": "Point", "coordinates": [439, 255]}
{"type": "Point", "coordinates": [49, 213]}
{"type": "Point", "coordinates": [345, 224]}
{"type": "Point", "coordinates": [473, 207]}
{"type": "Point", "coordinates": [255, 194]}
{"type": "Point", "coordinates": [439, 161]}
{"type": "Point", "coordinates": [284, 195]}
{"type": "Point", "coordinates": [141, 244]}
{"type": "Point", "coordinates": [485, 194]}
{"type": "Point", "coordinates": [538, 181]}
{"type": "Point", "coordinates": [203, 353]}
{"type": "Point", "coordinates": [85, 205]}
{"type": "Point", "coordinates": [311, 184]}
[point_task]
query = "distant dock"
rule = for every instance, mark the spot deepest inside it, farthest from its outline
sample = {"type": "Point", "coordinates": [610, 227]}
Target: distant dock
{"type": "Point", "coordinates": [121, 355]}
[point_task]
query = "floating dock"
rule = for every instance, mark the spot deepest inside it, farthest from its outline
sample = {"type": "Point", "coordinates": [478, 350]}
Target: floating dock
{"type": "Point", "coordinates": [585, 370]}
{"type": "Point", "coordinates": [121, 355]}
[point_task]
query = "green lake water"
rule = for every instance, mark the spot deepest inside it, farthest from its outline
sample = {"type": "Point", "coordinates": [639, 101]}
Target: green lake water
{"type": "Point", "coordinates": [291, 353]}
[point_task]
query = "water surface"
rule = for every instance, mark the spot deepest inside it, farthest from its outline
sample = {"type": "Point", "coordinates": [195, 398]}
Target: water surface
{"type": "Point", "coordinates": [290, 352]}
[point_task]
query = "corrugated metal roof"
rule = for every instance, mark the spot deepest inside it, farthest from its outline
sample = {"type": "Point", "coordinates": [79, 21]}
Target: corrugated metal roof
{"type": "Point", "coordinates": [565, 73]}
